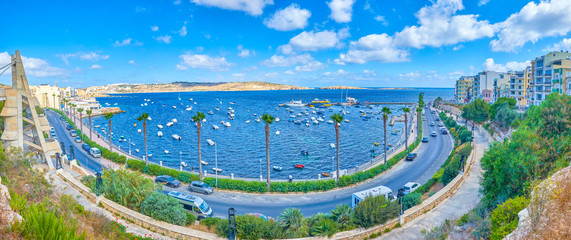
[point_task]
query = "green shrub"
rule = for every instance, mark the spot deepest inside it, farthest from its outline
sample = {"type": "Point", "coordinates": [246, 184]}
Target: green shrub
{"type": "Point", "coordinates": [451, 170]}
{"type": "Point", "coordinates": [411, 200]}
{"type": "Point", "coordinates": [164, 208]}
{"type": "Point", "coordinates": [129, 189]}
{"type": "Point", "coordinates": [40, 223]}
{"type": "Point", "coordinates": [210, 222]}
{"type": "Point", "coordinates": [505, 218]}
{"type": "Point", "coordinates": [375, 210]}
{"type": "Point", "coordinates": [252, 227]}
{"type": "Point", "coordinates": [190, 218]}
{"type": "Point", "coordinates": [323, 227]}
{"type": "Point", "coordinates": [136, 165]}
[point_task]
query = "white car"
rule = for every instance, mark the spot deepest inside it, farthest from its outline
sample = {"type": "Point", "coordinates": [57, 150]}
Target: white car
{"type": "Point", "coordinates": [410, 187]}
{"type": "Point", "coordinates": [434, 134]}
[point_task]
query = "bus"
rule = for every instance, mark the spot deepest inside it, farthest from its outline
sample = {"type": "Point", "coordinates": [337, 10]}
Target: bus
{"type": "Point", "coordinates": [376, 191]}
{"type": "Point", "coordinates": [194, 204]}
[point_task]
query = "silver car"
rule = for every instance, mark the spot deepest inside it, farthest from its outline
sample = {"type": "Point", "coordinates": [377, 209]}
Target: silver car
{"type": "Point", "coordinates": [198, 186]}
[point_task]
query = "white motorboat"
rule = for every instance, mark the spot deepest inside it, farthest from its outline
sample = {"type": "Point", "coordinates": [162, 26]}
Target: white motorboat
{"type": "Point", "coordinates": [204, 120]}
{"type": "Point", "coordinates": [183, 164]}
{"type": "Point", "coordinates": [174, 120]}
{"type": "Point", "coordinates": [173, 106]}
{"type": "Point", "coordinates": [188, 109]}
{"type": "Point", "coordinates": [139, 130]}
{"type": "Point", "coordinates": [332, 145]}
{"type": "Point", "coordinates": [167, 151]}
{"type": "Point", "coordinates": [160, 126]}
{"type": "Point", "coordinates": [248, 121]}
{"type": "Point", "coordinates": [307, 124]}
{"type": "Point", "coordinates": [330, 121]}
{"type": "Point", "coordinates": [210, 112]}
{"type": "Point", "coordinates": [97, 126]}
{"type": "Point", "coordinates": [346, 120]}
{"type": "Point", "coordinates": [215, 127]}
{"type": "Point", "coordinates": [142, 105]}
{"type": "Point", "coordinates": [320, 119]}
{"type": "Point", "coordinates": [176, 137]}
{"type": "Point", "coordinates": [277, 132]}
{"type": "Point", "coordinates": [149, 118]}
{"type": "Point", "coordinates": [145, 104]}
{"type": "Point", "coordinates": [294, 104]}
{"type": "Point", "coordinates": [204, 162]}
{"type": "Point", "coordinates": [169, 124]}
{"type": "Point", "coordinates": [277, 119]}
{"type": "Point", "coordinates": [210, 142]}
{"type": "Point", "coordinates": [217, 169]}
{"type": "Point", "coordinates": [159, 133]}
{"type": "Point", "coordinates": [227, 124]}
{"type": "Point", "coordinates": [257, 119]}
{"type": "Point", "coordinates": [136, 150]}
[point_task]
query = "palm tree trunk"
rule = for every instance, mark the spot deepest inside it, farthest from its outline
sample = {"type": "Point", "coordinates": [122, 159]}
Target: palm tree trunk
{"type": "Point", "coordinates": [145, 134]}
{"type": "Point", "coordinates": [81, 126]}
{"type": "Point", "coordinates": [90, 126]}
{"type": "Point", "coordinates": [385, 128]}
{"type": "Point", "coordinates": [110, 145]}
{"type": "Point", "coordinates": [199, 156]}
{"type": "Point", "coordinates": [337, 141]}
{"type": "Point", "coordinates": [268, 154]}
{"type": "Point", "coordinates": [406, 132]}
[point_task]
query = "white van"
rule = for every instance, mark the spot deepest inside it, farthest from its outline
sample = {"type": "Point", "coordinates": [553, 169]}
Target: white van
{"type": "Point", "coordinates": [95, 152]}
{"type": "Point", "coordinates": [376, 191]}
{"type": "Point", "coordinates": [196, 205]}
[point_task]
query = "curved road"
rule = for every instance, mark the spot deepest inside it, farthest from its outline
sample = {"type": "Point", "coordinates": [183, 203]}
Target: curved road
{"type": "Point", "coordinates": [431, 156]}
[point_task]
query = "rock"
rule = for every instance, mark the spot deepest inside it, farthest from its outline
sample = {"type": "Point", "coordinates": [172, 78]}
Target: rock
{"type": "Point", "coordinates": [6, 214]}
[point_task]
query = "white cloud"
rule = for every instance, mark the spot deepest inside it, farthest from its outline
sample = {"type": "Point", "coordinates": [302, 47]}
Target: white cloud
{"type": "Point", "coordinates": [439, 26]}
{"type": "Point", "coordinates": [371, 73]}
{"type": "Point", "coordinates": [125, 42]}
{"type": "Point", "coordinates": [182, 31]}
{"type": "Point", "coordinates": [132, 62]}
{"type": "Point", "coordinates": [203, 62]}
{"type": "Point", "coordinates": [292, 60]}
{"type": "Point", "coordinates": [381, 19]}
{"type": "Point", "coordinates": [238, 75]}
{"type": "Point", "coordinates": [532, 22]}
{"type": "Point", "coordinates": [242, 52]}
{"type": "Point", "coordinates": [271, 74]}
{"type": "Point", "coordinates": [252, 7]}
{"type": "Point", "coordinates": [89, 56]}
{"type": "Point", "coordinates": [310, 67]}
{"type": "Point", "coordinates": [310, 41]}
{"type": "Point", "coordinates": [490, 65]}
{"type": "Point", "coordinates": [564, 45]}
{"type": "Point", "coordinates": [374, 47]}
{"type": "Point", "coordinates": [95, 66]}
{"type": "Point", "coordinates": [289, 72]}
{"type": "Point", "coordinates": [287, 19]}
{"type": "Point", "coordinates": [165, 39]}
{"type": "Point", "coordinates": [176, 2]}
{"type": "Point", "coordinates": [154, 28]}
{"type": "Point", "coordinates": [341, 10]}
{"type": "Point", "coordinates": [34, 67]}
{"type": "Point", "coordinates": [483, 2]}
{"type": "Point", "coordinates": [339, 72]}
{"type": "Point", "coordinates": [456, 48]}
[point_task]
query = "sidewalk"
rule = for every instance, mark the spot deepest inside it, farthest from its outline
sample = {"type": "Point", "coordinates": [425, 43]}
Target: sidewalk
{"type": "Point", "coordinates": [464, 200]}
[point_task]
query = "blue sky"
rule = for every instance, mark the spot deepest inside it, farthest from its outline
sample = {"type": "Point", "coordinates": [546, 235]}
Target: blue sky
{"type": "Point", "coordinates": [408, 43]}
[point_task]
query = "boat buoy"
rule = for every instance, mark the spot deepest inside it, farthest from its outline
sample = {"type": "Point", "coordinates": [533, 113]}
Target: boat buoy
{"type": "Point", "coordinates": [134, 125]}
{"type": "Point", "coordinates": [376, 144]}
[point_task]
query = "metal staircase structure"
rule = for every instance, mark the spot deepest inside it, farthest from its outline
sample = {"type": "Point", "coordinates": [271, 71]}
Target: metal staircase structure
{"type": "Point", "coordinates": [23, 127]}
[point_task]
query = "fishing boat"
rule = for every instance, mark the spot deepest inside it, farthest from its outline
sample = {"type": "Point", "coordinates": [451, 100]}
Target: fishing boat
{"type": "Point", "coordinates": [299, 166]}
{"type": "Point", "coordinates": [217, 169]}
{"type": "Point", "coordinates": [159, 133]}
{"type": "Point", "coordinates": [176, 137]}
{"type": "Point", "coordinates": [204, 162]}
{"type": "Point", "coordinates": [294, 103]}
{"type": "Point", "coordinates": [215, 127]}
{"type": "Point", "coordinates": [326, 174]}
{"type": "Point", "coordinates": [210, 142]}
{"type": "Point", "coordinates": [160, 126]}
{"type": "Point", "coordinates": [304, 152]}
{"type": "Point", "coordinates": [277, 132]}
{"type": "Point", "coordinates": [277, 168]}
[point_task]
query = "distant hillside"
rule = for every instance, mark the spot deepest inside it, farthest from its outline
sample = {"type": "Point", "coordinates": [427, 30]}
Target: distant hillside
{"type": "Point", "coordinates": [189, 87]}
{"type": "Point", "coordinates": [340, 87]}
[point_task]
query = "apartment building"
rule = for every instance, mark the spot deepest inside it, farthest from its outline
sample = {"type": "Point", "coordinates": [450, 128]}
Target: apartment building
{"type": "Point", "coordinates": [463, 89]}
{"type": "Point", "coordinates": [543, 69]}
{"type": "Point", "coordinates": [485, 81]}
{"type": "Point", "coordinates": [518, 86]}
{"type": "Point", "coordinates": [502, 85]}
{"type": "Point", "coordinates": [561, 75]}
{"type": "Point", "coordinates": [48, 96]}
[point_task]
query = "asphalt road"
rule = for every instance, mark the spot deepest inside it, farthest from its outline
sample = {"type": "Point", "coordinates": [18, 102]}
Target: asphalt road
{"type": "Point", "coordinates": [431, 156]}
{"type": "Point", "coordinates": [86, 161]}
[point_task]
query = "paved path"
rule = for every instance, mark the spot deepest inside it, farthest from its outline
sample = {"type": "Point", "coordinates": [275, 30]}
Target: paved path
{"type": "Point", "coordinates": [464, 200]}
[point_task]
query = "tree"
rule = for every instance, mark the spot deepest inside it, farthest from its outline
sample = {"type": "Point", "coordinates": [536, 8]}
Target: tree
{"type": "Point", "coordinates": [88, 112]}
{"type": "Point", "coordinates": [497, 104]}
{"type": "Point", "coordinates": [164, 208]}
{"type": "Point", "coordinates": [54, 97]}
{"type": "Point", "coordinates": [386, 111]}
{"type": "Point", "coordinates": [342, 215]}
{"type": "Point", "coordinates": [268, 119]}
{"type": "Point", "coordinates": [291, 223]}
{"type": "Point", "coordinates": [337, 118]}
{"type": "Point", "coordinates": [108, 116]}
{"type": "Point", "coordinates": [80, 110]}
{"type": "Point", "coordinates": [477, 111]}
{"type": "Point", "coordinates": [59, 105]}
{"type": "Point", "coordinates": [144, 118]}
{"type": "Point", "coordinates": [198, 119]}
{"type": "Point", "coordinates": [375, 210]}
{"type": "Point", "coordinates": [419, 111]}
{"type": "Point", "coordinates": [505, 115]}
{"type": "Point", "coordinates": [556, 115]}
{"type": "Point", "coordinates": [406, 112]}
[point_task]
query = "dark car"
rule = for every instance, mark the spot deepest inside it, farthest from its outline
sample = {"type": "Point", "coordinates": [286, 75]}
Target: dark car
{"type": "Point", "coordinates": [424, 139]}
{"type": "Point", "coordinates": [198, 186]}
{"type": "Point", "coordinates": [411, 156]}
{"type": "Point", "coordinates": [68, 127]}
{"type": "Point", "coordinates": [443, 131]}
{"type": "Point", "coordinates": [86, 147]}
{"type": "Point", "coordinates": [168, 181]}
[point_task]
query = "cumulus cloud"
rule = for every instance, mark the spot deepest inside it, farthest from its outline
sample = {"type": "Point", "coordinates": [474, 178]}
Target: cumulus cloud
{"type": "Point", "coordinates": [371, 73]}
{"type": "Point", "coordinates": [311, 66]}
{"type": "Point", "coordinates": [154, 28]}
{"type": "Point", "coordinates": [88, 56]}
{"type": "Point", "coordinates": [483, 2]}
{"type": "Point", "coordinates": [313, 41]}
{"type": "Point", "coordinates": [374, 47]}
{"type": "Point", "coordinates": [95, 66]}
{"type": "Point", "coordinates": [532, 22]}
{"type": "Point", "coordinates": [165, 39]}
{"type": "Point", "coordinates": [242, 52]}
{"type": "Point", "coordinates": [182, 31]}
{"type": "Point", "coordinates": [564, 45]}
{"type": "Point", "coordinates": [381, 19]}
{"type": "Point", "coordinates": [125, 42]}
{"type": "Point", "coordinates": [203, 62]}
{"type": "Point", "coordinates": [287, 19]}
{"type": "Point", "coordinates": [339, 72]}
{"type": "Point", "coordinates": [252, 7]}
{"type": "Point", "coordinates": [341, 10]}
{"type": "Point", "coordinates": [490, 65]}
{"type": "Point", "coordinates": [292, 60]}
{"type": "Point", "coordinates": [35, 67]}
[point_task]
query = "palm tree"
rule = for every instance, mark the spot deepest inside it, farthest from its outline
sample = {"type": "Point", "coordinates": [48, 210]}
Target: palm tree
{"type": "Point", "coordinates": [406, 112]}
{"type": "Point", "coordinates": [198, 118]}
{"type": "Point", "coordinates": [59, 100]}
{"type": "Point", "coordinates": [144, 118]}
{"type": "Point", "coordinates": [80, 110]}
{"type": "Point", "coordinates": [386, 112]}
{"type": "Point", "coordinates": [88, 112]}
{"type": "Point", "coordinates": [337, 118]}
{"type": "Point", "coordinates": [108, 116]}
{"type": "Point", "coordinates": [418, 112]}
{"type": "Point", "coordinates": [268, 119]}
{"type": "Point", "coordinates": [291, 222]}
{"type": "Point", "coordinates": [54, 97]}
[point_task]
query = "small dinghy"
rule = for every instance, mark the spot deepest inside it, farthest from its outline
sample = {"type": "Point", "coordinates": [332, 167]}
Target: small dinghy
{"type": "Point", "coordinates": [304, 152]}
{"type": "Point", "coordinates": [210, 142]}
{"type": "Point", "coordinates": [215, 127]}
{"type": "Point", "coordinates": [325, 174]}
{"type": "Point", "coordinates": [277, 168]}
{"type": "Point", "coordinates": [299, 166]}
{"type": "Point", "coordinates": [277, 132]}
{"type": "Point", "coordinates": [176, 137]}
{"type": "Point", "coordinates": [160, 126]}
{"type": "Point", "coordinates": [159, 133]}
{"type": "Point", "coordinates": [217, 169]}
{"type": "Point", "coordinates": [204, 162]}
{"type": "Point", "coordinates": [166, 151]}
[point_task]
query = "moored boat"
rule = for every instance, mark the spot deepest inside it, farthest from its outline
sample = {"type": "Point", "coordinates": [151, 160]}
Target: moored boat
{"type": "Point", "coordinates": [277, 168]}
{"type": "Point", "coordinates": [299, 166]}
{"type": "Point", "coordinates": [176, 137]}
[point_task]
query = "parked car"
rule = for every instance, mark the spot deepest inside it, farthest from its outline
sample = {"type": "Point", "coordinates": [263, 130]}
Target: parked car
{"type": "Point", "coordinates": [95, 152]}
{"type": "Point", "coordinates": [440, 124]}
{"type": "Point", "coordinates": [437, 119]}
{"type": "Point", "coordinates": [410, 187]}
{"type": "Point", "coordinates": [434, 134]}
{"type": "Point", "coordinates": [68, 127]}
{"type": "Point", "coordinates": [168, 181]}
{"type": "Point", "coordinates": [443, 131]}
{"type": "Point", "coordinates": [424, 139]}
{"type": "Point", "coordinates": [198, 186]}
{"type": "Point", "coordinates": [411, 156]}
{"type": "Point", "coordinates": [77, 139]}
{"type": "Point", "coordinates": [86, 147]}
{"type": "Point", "coordinates": [73, 133]}
{"type": "Point", "coordinates": [432, 124]}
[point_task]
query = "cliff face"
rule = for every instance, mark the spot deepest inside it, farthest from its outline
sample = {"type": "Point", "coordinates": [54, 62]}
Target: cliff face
{"type": "Point", "coordinates": [192, 86]}
{"type": "Point", "coordinates": [7, 216]}
{"type": "Point", "coordinates": [549, 213]}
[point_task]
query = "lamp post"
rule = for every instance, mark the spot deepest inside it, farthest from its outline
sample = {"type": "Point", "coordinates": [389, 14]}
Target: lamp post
{"type": "Point", "coordinates": [180, 159]}
{"type": "Point", "coordinates": [216, 163]}
{"type": "Point", "coordinates": [129, 146]}
{"type": "Point", "coordinates": [261, 170]}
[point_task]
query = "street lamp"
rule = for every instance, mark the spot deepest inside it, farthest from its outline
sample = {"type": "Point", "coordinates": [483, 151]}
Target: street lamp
{"type": "Point", "coordinates": [216, 163]}
{"type": "Point", "coordinates": [261, 170]}
{"type": "Point", "coordinates": [129, 146]}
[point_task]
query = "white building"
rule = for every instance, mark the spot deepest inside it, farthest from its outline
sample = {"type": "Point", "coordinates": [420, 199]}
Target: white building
{"type": "Point", "coordinates": [48, 96]}
{"type": "Point", "coordinates": [485, 81]}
